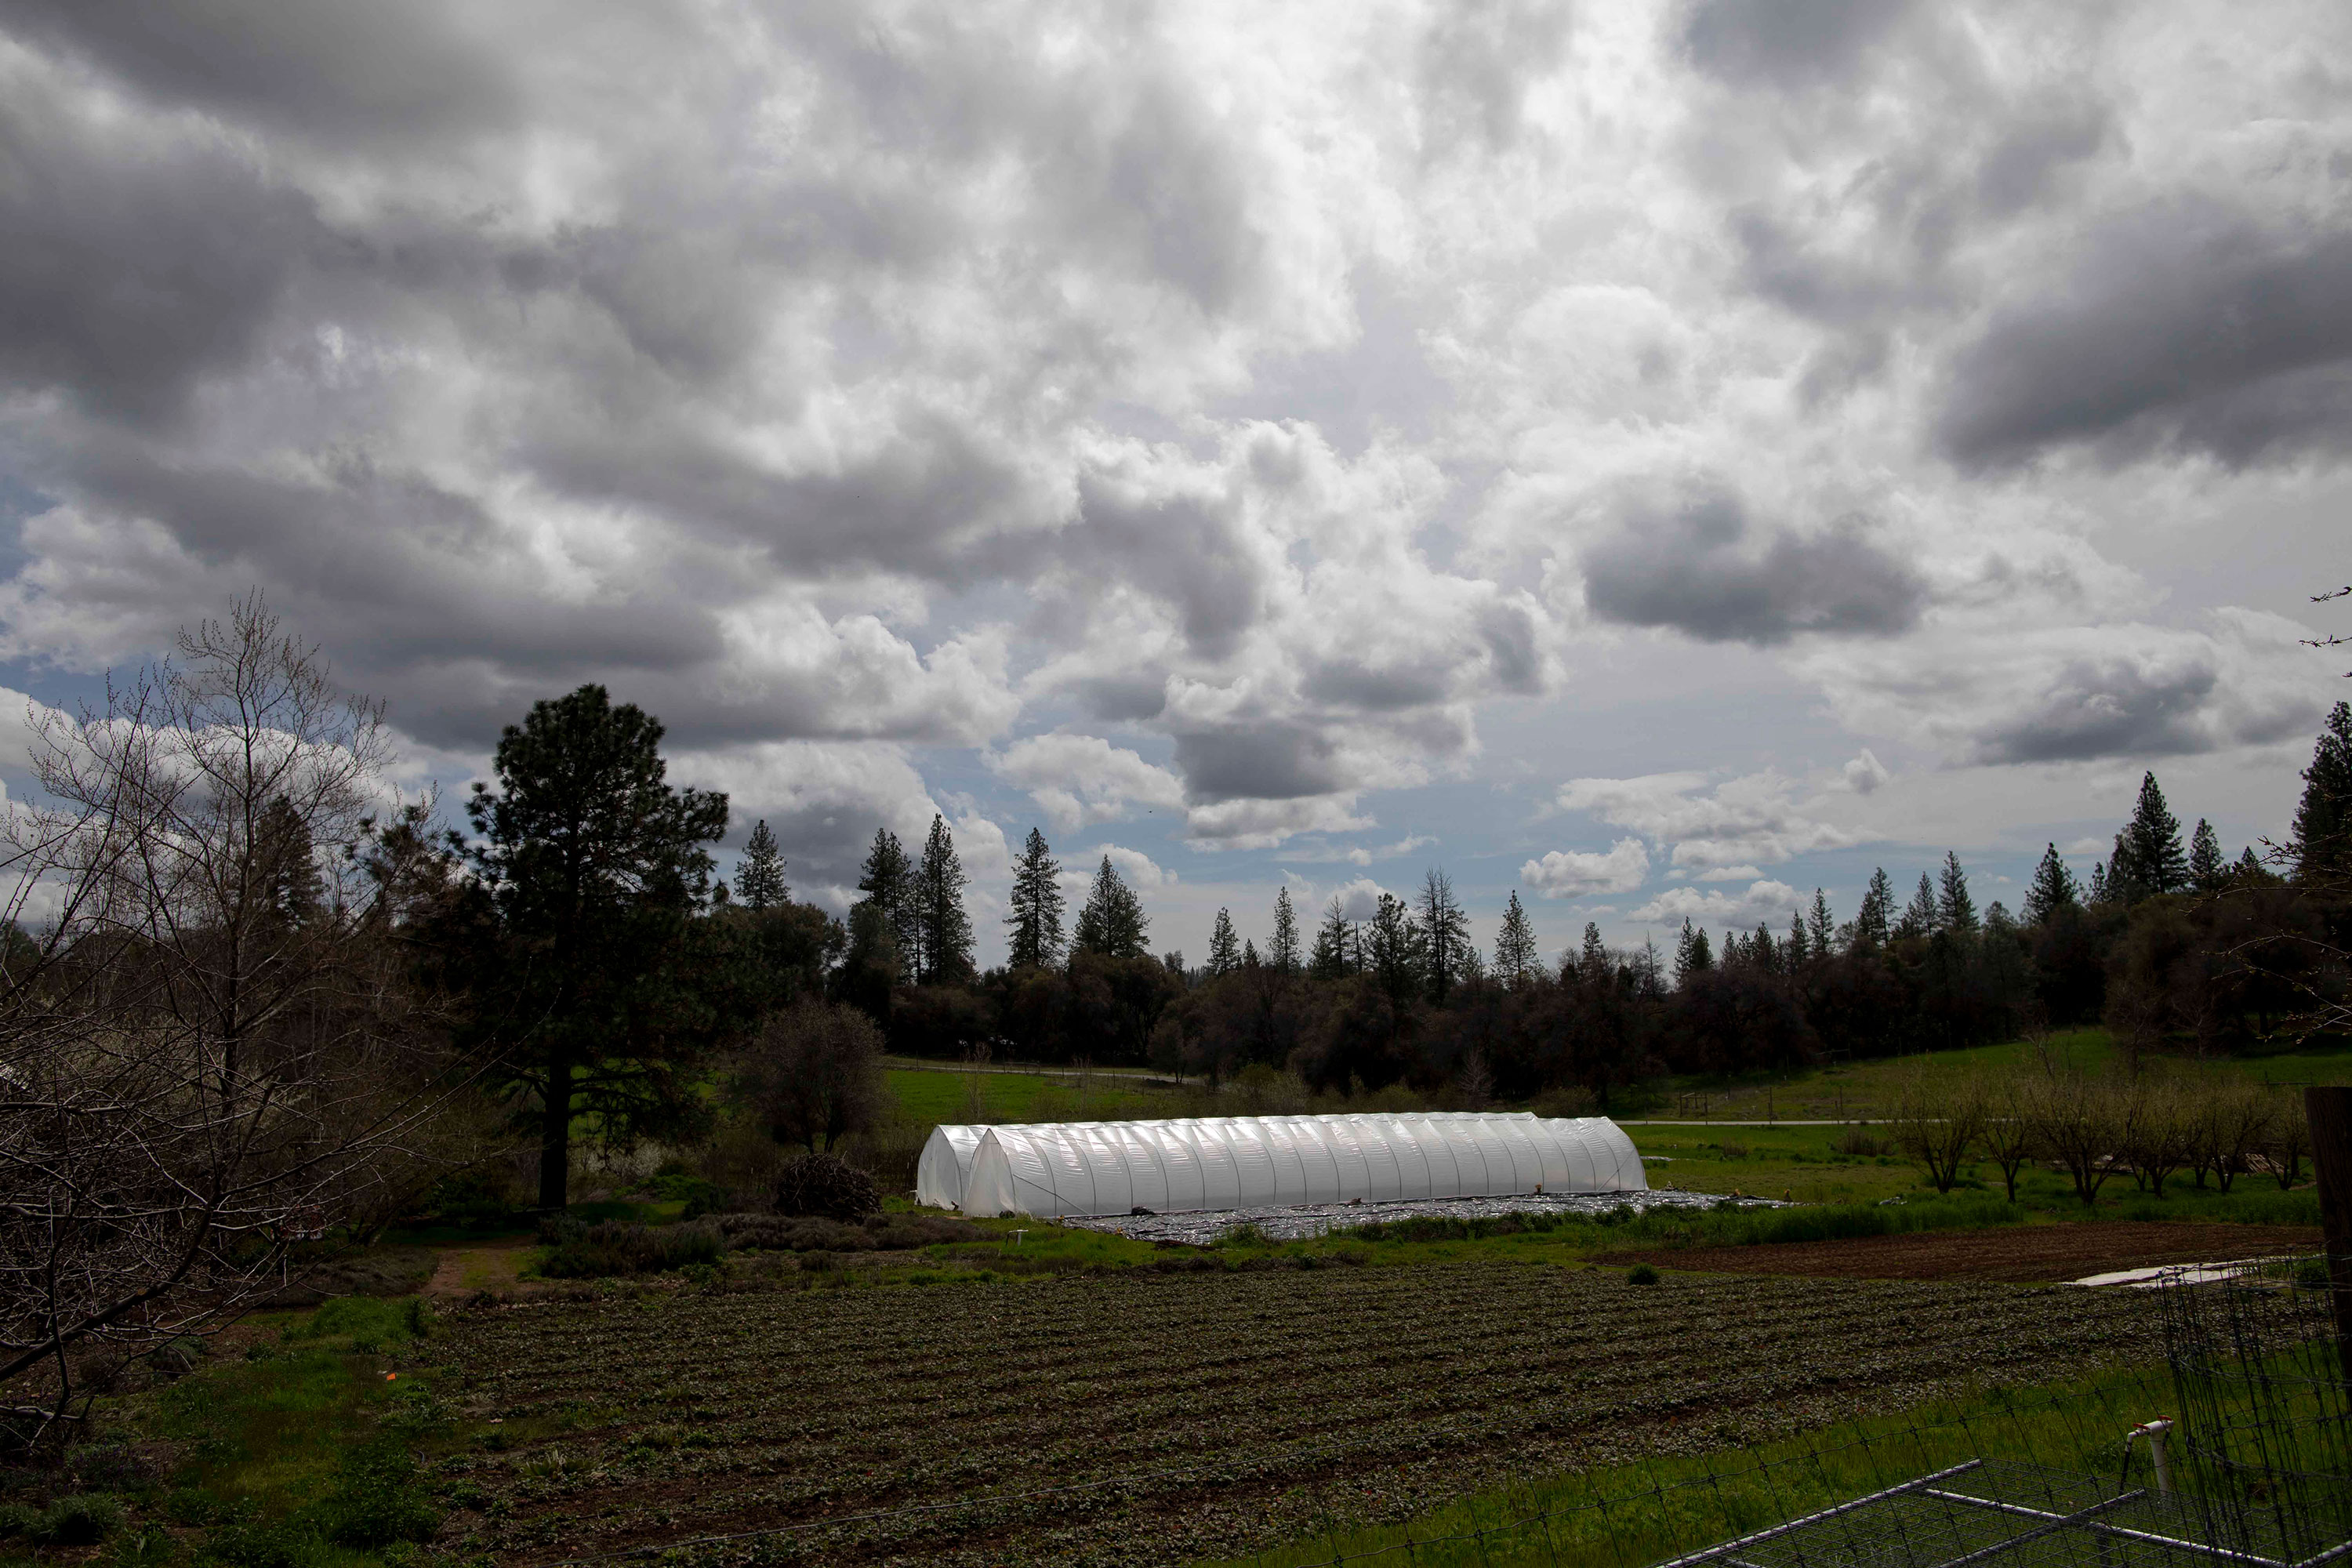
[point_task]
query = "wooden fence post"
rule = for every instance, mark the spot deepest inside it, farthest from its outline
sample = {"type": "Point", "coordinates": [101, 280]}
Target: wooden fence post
{"type": "Point", "coordinates": [2329, 1113]}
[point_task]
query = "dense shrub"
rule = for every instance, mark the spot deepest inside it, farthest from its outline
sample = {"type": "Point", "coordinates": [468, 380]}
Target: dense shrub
{"type": "Point", "coordinates": [581, 1251]}
{"type": "Point", "coordinates": [877, 1233]}
{"type": "Point", "coordinates": [821, 1185]}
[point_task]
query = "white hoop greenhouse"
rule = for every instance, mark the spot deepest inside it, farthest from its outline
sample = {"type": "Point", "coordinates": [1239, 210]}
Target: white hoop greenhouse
{"type": "Point", "coordinates": [1059, 1168]}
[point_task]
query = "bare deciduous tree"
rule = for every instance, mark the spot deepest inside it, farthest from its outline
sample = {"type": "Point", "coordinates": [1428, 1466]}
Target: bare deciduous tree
{"type": "Point", "coordinates": [207, 1050]}
{"type": "Point", "coordinates": [1937, 1120]}
{"type": "Point", "coordinates": [813, 1076]}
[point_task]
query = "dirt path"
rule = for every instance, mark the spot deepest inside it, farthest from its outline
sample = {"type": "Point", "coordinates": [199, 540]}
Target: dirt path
{"type": "Point", "coordinates": [491, 1266]}
{"type": "Point", "coordinates": [2012, 1253]}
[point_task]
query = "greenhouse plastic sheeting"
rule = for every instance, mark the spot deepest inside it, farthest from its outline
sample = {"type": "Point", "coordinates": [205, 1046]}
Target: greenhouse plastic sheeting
{"type": "Point", "coordinates": [1053, 1168]}
{"type": "Point", "coordinates": [946, 1165]}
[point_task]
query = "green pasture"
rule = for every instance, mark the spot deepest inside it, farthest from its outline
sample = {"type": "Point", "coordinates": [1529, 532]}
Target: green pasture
{"type": "Point", "coordinates": [1844, 1091]}
{"type": "Point", "coordinates": [929, 1096]}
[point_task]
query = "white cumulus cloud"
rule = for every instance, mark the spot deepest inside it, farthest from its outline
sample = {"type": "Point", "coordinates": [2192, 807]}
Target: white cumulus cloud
{"type": "Point", "coordinates": [1566, 873]}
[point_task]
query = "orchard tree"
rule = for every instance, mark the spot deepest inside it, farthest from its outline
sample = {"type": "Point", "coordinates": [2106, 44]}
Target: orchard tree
{"type": "Point", "coordinates": [595, 865]}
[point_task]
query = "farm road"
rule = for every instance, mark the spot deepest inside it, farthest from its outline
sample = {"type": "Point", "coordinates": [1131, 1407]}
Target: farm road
{"type": "Point", "coordinates": [1197, 1415]}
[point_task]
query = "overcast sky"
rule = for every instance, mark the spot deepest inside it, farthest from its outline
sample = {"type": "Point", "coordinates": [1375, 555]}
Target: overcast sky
{"type": "Point", "coordinates": [1659, 458]}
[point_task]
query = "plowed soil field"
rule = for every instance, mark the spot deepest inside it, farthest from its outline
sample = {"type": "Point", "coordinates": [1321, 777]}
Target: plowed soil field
{"type": "Point", "coordinates": [2017, 1254]}
{"type": "Point", "coordinates": [1150, 1420]}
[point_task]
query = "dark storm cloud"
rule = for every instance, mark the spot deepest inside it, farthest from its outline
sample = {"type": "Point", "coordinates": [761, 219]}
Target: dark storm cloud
{"type": "Point", "coordinates": [1785, 43]}
{"type": "Point", "coordinates": [1699, 567]}
{"type": "Point", "coordinates": [348, 70]}
{"type": "Point", "coordinates": [1272, 761]}
{"type": "Point", "coordinates": [2108, 709]}
{"type": "Point", "coordinates": [132, 264]}
{"type": "Point", "coordinates": [1123, 699]}
{"type": "Point", "coordinates": [2185, 325]}
{"type": "Point", "coordinates": [1184, 548]}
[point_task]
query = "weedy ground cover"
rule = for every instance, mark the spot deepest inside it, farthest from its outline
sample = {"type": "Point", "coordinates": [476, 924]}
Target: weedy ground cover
{"type": "Point", "coordinates": [297, 1454]}
{"type": "Point", "coordinates": [1616, 1516]}
{"type": "Point", "coordinates": [1134, 1418]}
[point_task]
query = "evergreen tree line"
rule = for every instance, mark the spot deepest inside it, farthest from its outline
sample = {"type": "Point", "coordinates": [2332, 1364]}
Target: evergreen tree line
{"type": "Point", "coordinates": [2168, 940]}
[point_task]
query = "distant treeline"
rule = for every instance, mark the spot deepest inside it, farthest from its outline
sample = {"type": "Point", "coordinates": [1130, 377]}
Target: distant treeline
{"type": "Point", "coordinates": [2169, 943]}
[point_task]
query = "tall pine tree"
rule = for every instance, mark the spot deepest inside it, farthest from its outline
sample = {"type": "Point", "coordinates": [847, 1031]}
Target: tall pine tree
{"type": "Point", "coordinates": [759, 878]}
{"type": "Point", "coordinates": [1224, 947]}
{"type": "Point", "coordinates": [2148, 857]}
{"type": "Point", "coordinates": [1515, 944]}
{"type": "Point", "coordinates": [1335, 944]}
{"type": "Point", "coordinates": [1824, 929]}
{"type": "Point", "coordinates": [1592, 959]}
{"type": "Point", "coordinates": [1036, 905]}
{"type": "Point", "coordinates": [940, 912]}
{"type": "Point", "coordinates": [1445, 934]}
{"type": "Point", "coordinates": [596, 866]}
{"type": "Point", "coordinates": [1395, 948]}
{"type": "Point", "coordinates": [888, 881]}
{"type": "Point", "coordinates": [1920, 918]}
{"type": "Point", "coordinates": [2207, 870]}
{"type": "Point", "coordinates": [1954, 911]}
{"type": "Point", "coordinates": [1112, 924]}
{"type": "Point", "coordinates": [1282, 952]}
{"type": "Point", "coordinates": [1874, 922]}
{"type": "Point", "coordinates": [2053, 889]}
{"type": "Point", "coordinates": [2322, 840]}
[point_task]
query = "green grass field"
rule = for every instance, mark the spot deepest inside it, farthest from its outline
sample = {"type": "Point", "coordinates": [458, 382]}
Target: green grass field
{"type": "Point", "coordinates": [932, 1095]}
{"type": "Point", "coordinates": [1868, 1090]}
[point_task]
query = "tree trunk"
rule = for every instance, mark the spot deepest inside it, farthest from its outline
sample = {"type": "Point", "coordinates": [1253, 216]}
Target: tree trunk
{"type": "Point", "coordinates": [2329, 1113]}
{"type": "Point", "coordinates": [555, 1132]}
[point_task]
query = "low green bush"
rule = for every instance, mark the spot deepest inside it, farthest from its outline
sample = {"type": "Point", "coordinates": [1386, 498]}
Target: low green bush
{"type": "Point", "coordinates": [1641, 1274]}
{"type": "Point", "coordinates": [252, 1543]}
{"type": "Point", "coordinates": [578, 1251]}
{"type": "Point", "coordinates": [78, 1520]}
{"type": "Point", "coordinates": [876, 1233]}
